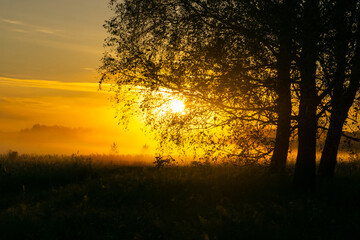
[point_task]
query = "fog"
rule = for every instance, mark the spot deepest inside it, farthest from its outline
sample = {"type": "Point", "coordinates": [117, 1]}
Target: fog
{"type": "Point", "coordinates": [43, 139]}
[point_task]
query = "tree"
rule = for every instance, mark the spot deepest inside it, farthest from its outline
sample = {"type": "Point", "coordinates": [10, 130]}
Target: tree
{"type": "Point", "coordinates": [307, 56]}
{"type": "Point", "coordinates": [284, 34]}
{"type": "Point", "coordinates": [233, 55]}
{"type": "Point", "coordinates": [271, 25]}
{"type": "Point", "coordinates": [328, 64]}
{"type": "Point", "coordinates": [342, 64]}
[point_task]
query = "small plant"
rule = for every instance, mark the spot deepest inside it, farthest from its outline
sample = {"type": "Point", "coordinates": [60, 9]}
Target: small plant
{"type": "Point", "coordinates": [161, 161]}
{"type": "Point", "coordinates": [12, 155]}
{"type": "Point", "coordinates": [114, 148]}
{"type": "Point", "coordinates": [2, 169]}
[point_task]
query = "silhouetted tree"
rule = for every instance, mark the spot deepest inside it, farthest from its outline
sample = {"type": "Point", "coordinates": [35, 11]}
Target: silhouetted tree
{"type": "Point", "coordinates": [270, 23]}
{"type": "Point", "coordinates": [230, 56]}
{"type": "Point", "coordinates": [178, 48]}
{"type": "Point", "coordinates": [341, 61]}
{"type": "Point", "coordinates": [283, 31]}
{"type": "Point", "coordinates": [308, 39]}
{"type": "Point", "coordinates": [328, 62]}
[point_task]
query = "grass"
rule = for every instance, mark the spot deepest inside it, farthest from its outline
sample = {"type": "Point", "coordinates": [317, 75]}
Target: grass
{"type": "Point", "coordinates": [77, 197]}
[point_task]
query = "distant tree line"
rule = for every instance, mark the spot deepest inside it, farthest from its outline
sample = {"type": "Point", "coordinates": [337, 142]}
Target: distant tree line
{"type": "Point", "coordinates": [243, 69]}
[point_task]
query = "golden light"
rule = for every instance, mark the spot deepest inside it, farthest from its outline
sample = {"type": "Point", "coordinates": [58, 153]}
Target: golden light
{"type": "Point", "coordinates": [177, 106]}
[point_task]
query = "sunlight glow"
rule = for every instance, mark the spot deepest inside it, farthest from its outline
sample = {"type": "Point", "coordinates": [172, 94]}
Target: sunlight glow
{"type": "Point", "coordinates": [177, 106]}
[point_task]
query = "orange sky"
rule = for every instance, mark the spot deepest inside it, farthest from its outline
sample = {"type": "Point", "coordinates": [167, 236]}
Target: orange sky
{"type": "Point", "coordinates": [49, 53]}
{"type": "Point", "coordinates": [73, 106]}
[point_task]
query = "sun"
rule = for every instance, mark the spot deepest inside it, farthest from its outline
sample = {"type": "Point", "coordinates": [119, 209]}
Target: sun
{"type": "Point", "coordinates": [177, 106]}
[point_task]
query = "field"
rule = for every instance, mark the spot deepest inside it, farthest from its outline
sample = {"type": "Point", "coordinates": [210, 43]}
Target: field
{"type": "Point", "coordinates": [80, 197]}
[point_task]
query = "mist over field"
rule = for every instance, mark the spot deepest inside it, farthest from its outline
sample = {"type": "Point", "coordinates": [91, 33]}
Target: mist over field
{"type": "Point", "coordinates": [44, 139]}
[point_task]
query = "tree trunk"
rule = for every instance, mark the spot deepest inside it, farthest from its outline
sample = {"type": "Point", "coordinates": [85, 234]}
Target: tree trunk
{"type": "Point", "coordinates": [330, 151]}
{"type": "Point", "coordinates": [305, 167]}
{"type": "Point", "coordinates": [337, 119]}
{"type": "Point", "coordinates": [340, 108]}
{"type": "Point", "coordinates": [279, 157]}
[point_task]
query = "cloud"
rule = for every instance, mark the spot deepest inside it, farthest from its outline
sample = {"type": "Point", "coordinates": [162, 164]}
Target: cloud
{"type": "Point", "coordinates": [89, 69]}
{"type": "Point", "coordinates": [36, 33]}
{"type": "Point", "coordinates": [86, 113]}
{"type": "Point", "coordinates": [19, 30]}
{"type": "Point", "coordinates": [68, 86]}
{"type": "Point", "coordinates": [13, 22]}
{"type": "Point", "coordinates": [4, 100]}
{"type": "Point", "coordinates": [30, 27]}
{"type": "Point", "coordinates": [55, 132]}
{"type": "Point", "coordinates": [46, 31]}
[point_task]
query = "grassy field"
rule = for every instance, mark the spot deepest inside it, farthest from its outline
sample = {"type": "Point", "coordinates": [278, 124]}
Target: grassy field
{"type": "Point", "coordinates": [77, 197]}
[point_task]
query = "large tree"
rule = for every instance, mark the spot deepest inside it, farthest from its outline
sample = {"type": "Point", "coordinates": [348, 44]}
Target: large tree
{"type": "Point", "coordinates": [341, 62]}
{"type": "Point", "coordinates": [166, 49]}
{"type": "Point", "coordinates": [308, 38]}
{"type": "Point", "coordinates": [234, 58]}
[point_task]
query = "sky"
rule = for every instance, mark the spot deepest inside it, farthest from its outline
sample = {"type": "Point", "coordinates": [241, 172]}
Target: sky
{"type": "Point", "coordinates": [49, 98]}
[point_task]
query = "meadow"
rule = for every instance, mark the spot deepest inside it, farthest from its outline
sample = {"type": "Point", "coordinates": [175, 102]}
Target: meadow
{"type": "Point", "coordinates": [98, 197]}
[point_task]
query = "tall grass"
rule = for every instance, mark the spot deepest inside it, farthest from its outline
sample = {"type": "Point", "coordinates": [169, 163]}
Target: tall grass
{"type": "Point", "coordinates": [86, 197]}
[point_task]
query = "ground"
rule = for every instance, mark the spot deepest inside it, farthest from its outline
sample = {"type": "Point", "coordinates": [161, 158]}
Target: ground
{"type": "Point", "coordinates": [54, 197]}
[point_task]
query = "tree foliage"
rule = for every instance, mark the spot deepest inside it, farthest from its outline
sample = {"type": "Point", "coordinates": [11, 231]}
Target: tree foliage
{"type": "Point", "coordinates": [168, 49]}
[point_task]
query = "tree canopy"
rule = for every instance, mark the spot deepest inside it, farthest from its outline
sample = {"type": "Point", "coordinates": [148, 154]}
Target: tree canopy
{"type": "Point", "coordinates": [165, 50]}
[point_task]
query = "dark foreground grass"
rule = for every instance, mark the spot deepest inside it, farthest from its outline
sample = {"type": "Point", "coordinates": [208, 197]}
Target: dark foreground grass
{"type": "Point", "coordinates": [76, 198]}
